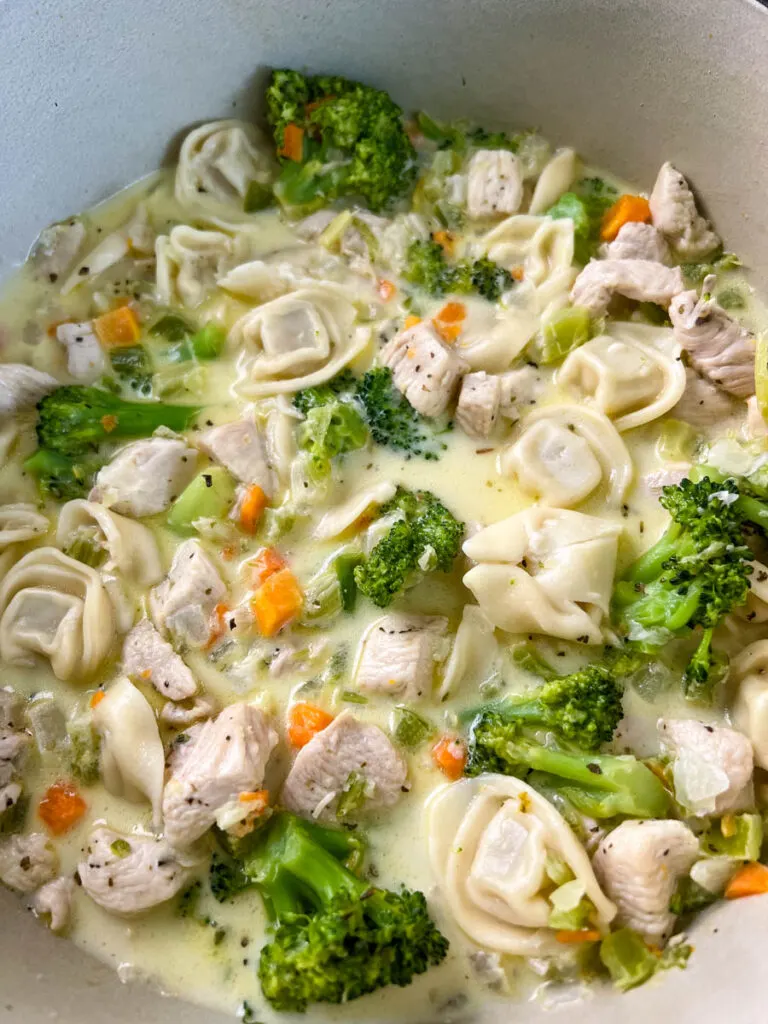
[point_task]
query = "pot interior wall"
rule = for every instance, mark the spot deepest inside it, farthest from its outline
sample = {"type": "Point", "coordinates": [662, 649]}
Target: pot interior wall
{"type": "Point", "coordinates": [95, 91]}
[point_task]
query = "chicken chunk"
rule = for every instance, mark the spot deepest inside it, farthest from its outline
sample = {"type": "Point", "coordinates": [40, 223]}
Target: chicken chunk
{"type": "Point", "coordinates": [86, 360]}
{"type": "Point", "coordinates": [21, 388]}
{"type": "Point", "coordinates": [520, 388]}
{"type": "Point", "coordinates": [479, 403]}
{"type": "Point", "coordinates": [639, 865]}
{"type": "Point", "coordinates": [227, 757]}
{"type": "Point", "coordinates": [494, 184]}
{"type": "Point", "coordinates": [425, 370]}
{"type": "Point", "coordinates": [27, 862]}
{"type": "Point", "coordinates": [719, 348]}
{"type": "Point", "coordinates": [184, 602]}
{"type": "Point", "coordinates": [146, 656]}
{"type": "Point", "coordinates": [145, 476]}
{"type": "Point", "coordinates": [128, 874]}
{"type": "Point", "coordinates": [674, 213]}
{"type": "Point", "coordinates": [642, 280]}
{"type": "Point", "coordinates": [54, 901]}
{"type": "Point", "coordinates": [56, 249]}
{"type": "Point", "coordinates": [239, 447]}
{"type": "Point", "coordinates": [636, 241]}
{"type": "Point", "coordinates": [703, 404]}
{"type": "Point", "coordinates": [345, 753]}
{"type": "Point", "coordinates": [398, 655]}
{"type": "Point", "coordinates": [712, 766]}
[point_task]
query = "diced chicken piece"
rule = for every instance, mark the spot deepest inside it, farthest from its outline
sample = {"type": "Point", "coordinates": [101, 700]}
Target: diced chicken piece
{"type": "Point", "coordinates": [145, 477]}
{"type": "Point", "coordinates": [184, 602]}
{"type": "Point", "coordinates": [703, 404]}
{"type": "Point", "coordinates": [226, 758]}
{"type": "Point", "coordinates": [54, 901]}
{"type": "Point", "coordinates": [642, 280]}
{"type": "Point", "coordinates": [27, 862]}
{"type": "Point", "coordinates": [494, 184]}
{"type": "Point", "coordinates": [147, 657]}
{"type": "Point", "coordinates": [128, 874]}
{"type": "Point", "coordinates": [181, 716]}
{"type": "Point", "coordinates": [719, 348]}
{"type": "Point", "coordinates": [636, 241]}
{"type": "Point", "coordinates": [520, 388]}
{"type": "Point", "coordinates": [655, 482]}
{"type": "Point", "coordinates": [639, 865]}
{"type": "Point", "coordinates": [86, 360]}
{"type": "Point", "coordinates": [239, 447]}
{"type": "Point", "coordinates": [425, 370]}
{"type": "Point", "coordinates": [398, 655]}
{"type": "Point", "coordinates": [56, 249]}
{"type": "Point", "coordinates": [674, 213]}
{"type": "Point", "coordinates": [345, 753]}
{"type": "Point", "coordinates": [479, 402]}
{"type": "Point", "coordinates": [712, 768]}
{"type": "Point", "coordinates": [22, 387]}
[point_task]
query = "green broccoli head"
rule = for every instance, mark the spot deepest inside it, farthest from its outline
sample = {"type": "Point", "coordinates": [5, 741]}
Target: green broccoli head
{"type": "Point", "coordinates": [428, 537]}
{"type": "Point", "coordinates": [335, 937]}
{"type": "Point", "coordinates": [393, 421]}
{"type": "Point", "coordinates": [74, 419]}
{"type": "Point", "coordinates": [585, 206]}
{"type": "Point", "coordinates": [705, 671]}
{"type": "Point", "coordinates": [354, 141]}
{"type": "Point", "coordinates": [61, 477]}
{"type": "Point", "coordinates": [426, 268]}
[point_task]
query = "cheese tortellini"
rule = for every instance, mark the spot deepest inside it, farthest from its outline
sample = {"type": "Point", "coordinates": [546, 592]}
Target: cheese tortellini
{"type": "Point", "coordinates": [565, 452]}
{"type": "Point", "coordinates": [749, 677]}
{"type": "Point", "coordinates": [56, 607]}
{"type": "Point", "coordinates": [539, 248]}
{"type": "Point", "coordinates": [297, 341]}
{"type": "Point", "coordinates": [217, 163]}
{"type": "Point", "coordinates": [128, 547]}
{"type": "Point", "coordinates": [19, 522]}
{"type": "Point", "coordinates": [545, 570]}
{"type": "Point", "coordinates": [190, 263]}
{"type": "Point", "coordinates": [490, 839]}
{"type": "Point", "coordinates": [633, 374]}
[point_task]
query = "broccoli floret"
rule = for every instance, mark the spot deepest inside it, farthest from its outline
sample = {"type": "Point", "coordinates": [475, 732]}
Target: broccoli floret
{"type": "Point", "coordinates": [426, 268]}
{"type": "Point", "coordinates": [705, 671]}
{"type": "Point", "coordinates": [393, 421]}
{"type": "Point", "coordinates": [74, 420]}
{"type": "Point", "coordinates": [427, 538]}
{"type": "Point", "coordinates": [335, 936]}
{"type": "Point", "coordinates": [600, 785]}
{"type": "Point", "coordinates": [61, 477]}
{"type": "Point", "coordinates": [582, 708]}
{"type": "Point", "coordinates": [585, 206]}
{"type": "Point", "coordinates": [353, 141]}
{"type": "Point", "coordinates": [460, 136]}
{"type": "Point", "coordinates": [693, 576]}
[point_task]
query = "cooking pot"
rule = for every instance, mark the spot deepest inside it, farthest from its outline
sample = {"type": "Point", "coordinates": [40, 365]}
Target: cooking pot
{"type": "Point", "coordinates": [95, 93]}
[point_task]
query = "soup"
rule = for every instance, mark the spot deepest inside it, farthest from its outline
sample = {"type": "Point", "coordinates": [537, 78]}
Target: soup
{"type": "Point", "coordinates": [382, 549]}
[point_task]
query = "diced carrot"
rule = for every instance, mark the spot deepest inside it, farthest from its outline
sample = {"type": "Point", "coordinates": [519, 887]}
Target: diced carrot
{"type": "Point", "coordinates": [450, 756]}
{"type": "Point", "coordinates": [448, 332]}
{"type": "Point", "coordinates": [118, 327]}
{"type": "Point", "coordinates": [626, 208]}
{"type": "Point", "coordinates": [219, 624]}
{"type": "Point", "coordinates": [109, 423]}
{"type": "Point", "coordinates": [228, 552]}
{"type": "Point", "coordinates": [97, 698]}
{"type": "Point", "coordinates": [305, 721]}
{"type": "Point", "coordinates": [254, 797]}
{"type": "Point", "coordinates": [517, 273]}
{"type": "Point", "coordinates": [61, 808]}
{"type": "Point", "coordinates": [276, 602]}
{"type": "Point", "coordinates": [751, 880]}
{"type": "Point", "coordinates": [452, 313]}
{"type": "Point", "coordinates": [293, 143]}
{"type": "Point", "coordinates": [252, 507]}
{"type": "Point", "coordinates": [569, 938]}
{"type": "Point", "coordinates": [411, 321]}
{"type": "Point", "coordinates": [317, 103]}
{"type": "Point", "coordinates": [386, 290]}
{"type": "Point", "coordinates": [446, 241]}
{"type": "Point", "coordinates": [266, 562]}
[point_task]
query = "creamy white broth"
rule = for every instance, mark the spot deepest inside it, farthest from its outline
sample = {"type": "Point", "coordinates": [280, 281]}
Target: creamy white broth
{"type": "Point", "coordinates": [211, 954]}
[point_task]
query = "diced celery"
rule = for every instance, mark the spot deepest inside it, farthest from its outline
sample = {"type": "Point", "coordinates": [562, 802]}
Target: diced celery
{"type": "Point", "coordinates": [209, 496]}
{"type": "Point", "coordinates": [84, 750]}
{"type": "Point", "coordinates": [564, 331]}
{"type": "Point", "coordinates": [345, 571]}
{"type": "Point", "coordinates": [627, 958]}
{"type": "Point", "coordinates": [739, 836]}
{"type": "Point", "coordinates": [352, 798]}
{"type": "Point", "coordinates": [571, 910]}
{"type": "Point", "coordinates": [257, 197]}
{"type": "Point", "coordinates": [171, 327]}
{"type": "Point", "coordinates": [677, 441]}
{"type": "Point", "coordinates": [332, 235]}
{"type": "Point", "coordinates": [409, 728]}
{"type": "Point", "coordinates": [761, 373]}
